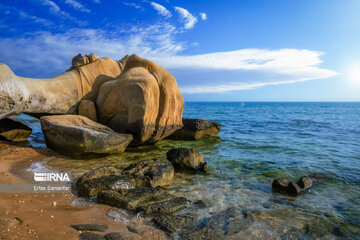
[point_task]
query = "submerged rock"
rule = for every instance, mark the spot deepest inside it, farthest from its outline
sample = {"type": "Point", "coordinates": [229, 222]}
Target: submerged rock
{"type": "Point", "coordinates": [13, 131]}
{"type": "Point", "coordinates": [144, 100]}
{"type": "Point", "coordinates": [79, 136]}
{"type": "Point", "coordinates": [194, 129]}
{"type": "Point", "coordinates": [219, 226]}
{"type": "Point", "coordinates": [90, 227]}
{"type": "Point", "coordinates": [87, 109]}
{"type": "Point", "coordinates": [113, 236]}
{"type": "Point", "coordinates": [291, 188]}
{"type": "Point", "coordinates": [131, 198]}
{"type": "Point", "coordinates": [186, 158]}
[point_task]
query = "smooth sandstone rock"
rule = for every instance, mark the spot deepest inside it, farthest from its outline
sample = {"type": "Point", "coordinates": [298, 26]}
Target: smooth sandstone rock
{"type": "Point", "coordinates": [87, 109]}
{"type": "Point", "coordinates": [57, 95]}
{"type": "Point", "coordinates": [79, 136]}
{"type": "Point", "coordinates": [194, 129]}
{"type": "Point", "coordinates": [13, 131]}
{"type": "Point", "coordinates": [144, 100]}
{"type": "Point", "coordinates": [186, 158]}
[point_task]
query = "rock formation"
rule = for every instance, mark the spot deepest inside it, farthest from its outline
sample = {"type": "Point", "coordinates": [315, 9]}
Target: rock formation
{"type": "Point", "coordinates": [57, 95]}
{"type": "Point", "coordinates": [194, 129]}
{"type": "Point", "coordinates": [13, 131]}
{"type": "Point", "coordinates": [79, 136]}
{"type": "Point", "coordinates": [144, 100]}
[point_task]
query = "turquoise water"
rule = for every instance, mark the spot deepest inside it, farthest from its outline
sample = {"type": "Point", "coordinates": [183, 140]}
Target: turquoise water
{"type": "Point", "coordinates": [259, 142]}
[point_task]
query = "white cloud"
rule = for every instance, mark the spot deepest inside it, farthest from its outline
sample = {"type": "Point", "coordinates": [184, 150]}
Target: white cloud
{"type": "Point", "coordinates": [57, 11]}
{"type": "Point", "coordinates": [23, 15]}
{"type": "Point", "coordinates": [161, 9]}
{"type": "Point", "coordinates": [44, 54]}
{"type": "Point", "coordinates": [272, 67]}
{"type": "Point", "coordinates": [203, 16]}
{"type": "Point", "coordinates": [187, 17]}
{"type": "Point", "coordinates": [77, 5]}
{"type": "Point", "coordinates": [53, 6]}
{"type": "Point", "coordinates": [134, 5]}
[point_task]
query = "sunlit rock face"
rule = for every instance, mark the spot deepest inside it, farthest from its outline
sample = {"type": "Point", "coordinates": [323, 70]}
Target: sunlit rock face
{"type": "Point", "coordinates": [56, 95]}
{"type": "Point", "coordinates": [144, 100]}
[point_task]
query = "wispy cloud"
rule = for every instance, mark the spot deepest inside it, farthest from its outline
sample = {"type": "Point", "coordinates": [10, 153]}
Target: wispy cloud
{"type": "Point", "coordinates": [77, 5]}
{"type": "Point", "coordinates": [187, 17]}
{"type": "Point", "coordinates": [161, 9]}
{"type": "Point", "coordinates": [57, 11]}
{"type": "Point", "coordinates": [203, 16]}
{"type": "Point", "coordinates": [5, 10]}
{"type": "Point", "coordinates": [137, 6]}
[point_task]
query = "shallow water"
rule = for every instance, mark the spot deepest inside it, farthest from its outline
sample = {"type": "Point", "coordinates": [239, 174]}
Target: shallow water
{"type": "Point", "coordinates": [260, 142]}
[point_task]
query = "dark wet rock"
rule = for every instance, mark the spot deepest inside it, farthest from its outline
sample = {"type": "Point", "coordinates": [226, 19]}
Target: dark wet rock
{"type": "Point", "coordinates": [169, 205]}
{"type": "Point", "coordinates": [78, 136]}
{"type": "Point", "coordinates": [291, 188]}
{"type": "Point", "coordinates": [131, 198]}
{"type": "Point", "coordinates": [90, 236]}
{"type": "Point", "coordinates": [133, 229]}
{"type": "Point", "coordinates": [113, 236]}
{"type": "Point", "coordinates": [176, 224]}
{"type": "Point", "coordinates": [13, 131]}
{"type": "Point", "coordinates": [96, 180]}
{"type": "Point", "coordinates": [305, 182]}
{"type": "Point", "coordinates": [151, 173]}
{"type": "Point", "coordinates": [186, 158]}
{"type": "Point", "coordinates": [220, 225]}
{"type": "Point", "coordinates": [90, 227]}
{"type": "Point", "coordinates": [196, 128]}
{"type": "Point", "coordinates": [94, 186]}
{"type": "Point", "coordinates": [97, 173]}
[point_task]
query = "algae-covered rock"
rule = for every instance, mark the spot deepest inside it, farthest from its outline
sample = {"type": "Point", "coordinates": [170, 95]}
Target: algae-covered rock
{"type": "Point", "coordinates": [131, 198]}
{"type": "Point", "coordinates": [186, 158]}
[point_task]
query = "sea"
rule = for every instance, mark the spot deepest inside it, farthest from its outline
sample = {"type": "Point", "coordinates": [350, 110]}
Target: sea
{"type": "Point", "coordinates": [258, 142]}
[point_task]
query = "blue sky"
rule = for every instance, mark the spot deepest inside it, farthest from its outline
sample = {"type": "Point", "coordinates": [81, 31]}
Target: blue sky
{"type": "Point", "coordinates": [241, 50]}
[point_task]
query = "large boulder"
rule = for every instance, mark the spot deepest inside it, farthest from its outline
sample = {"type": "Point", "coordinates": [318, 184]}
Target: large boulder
{"type": "Point", "coordinates": [144, 100]}
{"type": "Point", "coordinates": [186, 158]}
{"type": "Point", "coordinates": [57, 95]}
{"type": "Point", "coordinates": [13, 131]}
{"type": "Point", "coordinates": [194, 129]}
{"type": "Point", "coordinates": [87, 109]}
{"type": "Point", "coordinates": [79, 136]}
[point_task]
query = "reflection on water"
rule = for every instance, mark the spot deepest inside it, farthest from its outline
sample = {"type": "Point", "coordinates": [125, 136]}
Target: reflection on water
{"type": "Point", "coordinates": [260, 142]}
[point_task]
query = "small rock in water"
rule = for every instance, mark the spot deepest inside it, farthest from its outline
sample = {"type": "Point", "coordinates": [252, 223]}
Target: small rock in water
{"type": "Point", "coordinates": [90, 227]}
{"type": "Point", "coordinates": [133, 229]}
{"type": "Point", "coordinates": [291, 188]}
{"type": "Point", "coordinates": [186, 158]}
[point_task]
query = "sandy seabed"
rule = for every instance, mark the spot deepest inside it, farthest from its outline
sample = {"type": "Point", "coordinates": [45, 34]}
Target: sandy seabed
{"type": "Point", "coordinates": [49, 216]}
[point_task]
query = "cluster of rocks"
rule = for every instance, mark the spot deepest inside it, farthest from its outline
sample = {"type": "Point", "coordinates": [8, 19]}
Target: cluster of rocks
{"type": "Point", "coordinates": [139, 188]}
{"type": "Point", "coordinates": [108, 105]}
{"type": "Point", "coordinates": [292, 188]}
